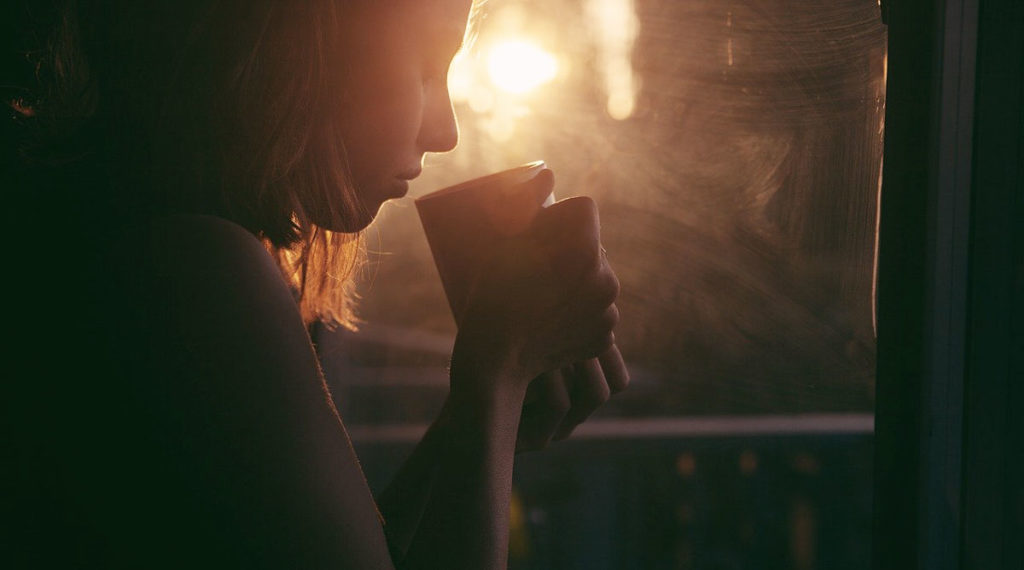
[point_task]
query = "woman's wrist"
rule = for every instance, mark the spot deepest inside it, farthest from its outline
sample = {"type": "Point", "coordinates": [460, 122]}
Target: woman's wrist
{"type": "Point", "coordinates": [483, 384]}
{"type": "Point", "coordinates": [484, 352]}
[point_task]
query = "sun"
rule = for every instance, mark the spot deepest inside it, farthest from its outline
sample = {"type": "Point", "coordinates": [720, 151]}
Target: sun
{"type": "Point", "coordinates": [519, 66]}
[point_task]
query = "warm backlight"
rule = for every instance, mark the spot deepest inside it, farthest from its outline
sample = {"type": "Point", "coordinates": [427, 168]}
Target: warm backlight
{"type": "Point", "coordinates": [520, 66]}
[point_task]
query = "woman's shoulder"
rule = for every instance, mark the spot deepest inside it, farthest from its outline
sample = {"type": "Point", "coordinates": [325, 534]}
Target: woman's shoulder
{"type": "Point", "coordinates": [196, 239]}
{"type": "Point", "coordinates": [230, 418]}
{"type": "Point", "coordinates": [215, 276]}
{"type": "Point", "coordinates": [195, 254]}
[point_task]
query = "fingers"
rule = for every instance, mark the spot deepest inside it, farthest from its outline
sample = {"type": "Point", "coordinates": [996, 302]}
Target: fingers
{"type": "Point", "coordinates": [557, 402]}
{"type": "Point", "coordinates": [593, 334]}
{"type": "Point", "coordinates": [520, 204]}
{"type": "Point", "coordinates": [554, 290]}
{"type": "Point", "coordinates": [566, 216]}
{"type": "Point", "coordinates": [547, 402]}
{"type": "Point", "coordinates": [541, 186]}
{"type": "Point", "coordinates": [589, 392]}
{"type": "Point", "coordinates": [597, 284]}
{"type": "Point", "coordinates": [569, 232]}
{"type": "Point", "coordinates": [614, 368]}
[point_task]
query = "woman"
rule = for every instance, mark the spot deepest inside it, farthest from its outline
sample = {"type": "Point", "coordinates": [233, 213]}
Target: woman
{"type": "Point", "coordinates": [214, 161]}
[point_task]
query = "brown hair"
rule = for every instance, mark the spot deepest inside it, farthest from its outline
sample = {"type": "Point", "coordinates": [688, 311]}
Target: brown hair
{"type": "Point", "coordinates": [222, 107]}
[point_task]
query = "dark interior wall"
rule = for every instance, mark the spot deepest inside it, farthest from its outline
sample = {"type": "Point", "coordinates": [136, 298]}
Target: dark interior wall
{"type": "Point", "coordinates": [992, 497]}
{"type": "Point", "coordinates": [950, 289]}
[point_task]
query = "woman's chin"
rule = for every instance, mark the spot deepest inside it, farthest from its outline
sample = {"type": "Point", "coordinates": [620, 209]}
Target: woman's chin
{"type": "Point", "coordinates": [371, 206]}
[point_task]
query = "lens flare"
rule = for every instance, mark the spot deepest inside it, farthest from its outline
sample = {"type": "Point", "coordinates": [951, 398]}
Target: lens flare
{"type": "Point", "coordinates": [616, 24]}
{"type": "Point", "coordinates": [518, 66]}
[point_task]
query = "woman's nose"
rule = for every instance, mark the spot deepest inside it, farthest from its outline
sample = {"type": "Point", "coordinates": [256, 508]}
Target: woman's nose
{"type": "Point", "coordinates": [439, 131]}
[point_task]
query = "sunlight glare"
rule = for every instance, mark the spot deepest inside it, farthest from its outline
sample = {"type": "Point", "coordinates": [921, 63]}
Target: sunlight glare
{"type": "Point", "coordinates": [617, 26]}
{"type": "Point", "coordinates": [461, 77]}
{"type": "Point", "coordinates": [517, 66]}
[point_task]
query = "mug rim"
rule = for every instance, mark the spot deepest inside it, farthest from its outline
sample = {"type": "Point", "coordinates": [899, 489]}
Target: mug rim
{"type": "Point", "coordinates": [486, 179]}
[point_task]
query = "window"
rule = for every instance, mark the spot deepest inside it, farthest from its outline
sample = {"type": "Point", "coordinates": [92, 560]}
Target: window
{"type": "Point", "coordinates": [734, 149]}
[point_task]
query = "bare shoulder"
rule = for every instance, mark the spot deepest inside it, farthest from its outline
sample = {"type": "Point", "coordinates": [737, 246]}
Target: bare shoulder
{"type": "Point", "coordinates": [220, 252]}
{"type": "Point", "coordinates": [238, 393]}
{"type": "Point", "coordinates": [219, 294]}
{"type": "Point", "coordinates": [220, 282]}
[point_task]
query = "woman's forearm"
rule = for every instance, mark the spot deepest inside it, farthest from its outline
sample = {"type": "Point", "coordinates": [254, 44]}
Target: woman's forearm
{"type": "Point", "coordinates": [403, 500]}
{"type": "Point", "coordinates": [457, 516]}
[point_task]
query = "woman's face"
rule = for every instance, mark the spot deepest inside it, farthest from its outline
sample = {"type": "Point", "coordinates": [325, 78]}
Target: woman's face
{"type": "Point", "coordinates": [397, 106]}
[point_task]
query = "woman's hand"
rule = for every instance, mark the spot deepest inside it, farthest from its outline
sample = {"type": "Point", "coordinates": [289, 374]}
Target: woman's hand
{"type": "Point", "coordinates": [558, 401]}
{"type": "Point", "coordinates": [543, 303]}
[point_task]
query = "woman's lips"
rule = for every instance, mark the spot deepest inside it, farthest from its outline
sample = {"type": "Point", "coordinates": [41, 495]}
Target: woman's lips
{"type": "Point", "coordinates": [411, 173]}
{"type": "Point", "coordinates": [401, 183]}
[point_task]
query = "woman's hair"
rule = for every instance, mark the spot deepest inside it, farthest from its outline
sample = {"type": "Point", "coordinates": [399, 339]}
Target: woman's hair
{"type": "Point", "coordinates": [222, 107]}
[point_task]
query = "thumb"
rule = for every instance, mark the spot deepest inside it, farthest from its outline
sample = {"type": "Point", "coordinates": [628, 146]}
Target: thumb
{"type": "Point", "coordinates": [520, 203]}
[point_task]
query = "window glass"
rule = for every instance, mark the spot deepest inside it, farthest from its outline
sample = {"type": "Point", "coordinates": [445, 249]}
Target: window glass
{"type": "Point", "coordinates": [734, 150]}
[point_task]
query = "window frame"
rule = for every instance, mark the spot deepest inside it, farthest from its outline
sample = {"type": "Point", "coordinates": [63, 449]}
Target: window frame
{"type": "Point", "coordinates": [948, 431]}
